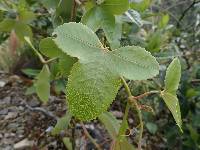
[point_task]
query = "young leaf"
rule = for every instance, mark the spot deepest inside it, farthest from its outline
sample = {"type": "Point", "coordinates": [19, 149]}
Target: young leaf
{"type": "Point", "coordinates": [173, 76]}
{"type": "Point", "coordinates": [91, 89]}
{"type": "Point", "coordinates": [62, 124]}
{"type": "Point", "coordinates": [111, 124]}
{"type": "Point", "coordinates": [115, 7]}
{"type": "Point", "coordinates": [49, 48]}
{"type": "Point", "coordinates": [172, 79]}
{"type": "Point", "coordinates": [164, 21]}
{"type": "Point", "coordinates": [42, 84]}
{"type": "Point", "coordinates": [172, 103]}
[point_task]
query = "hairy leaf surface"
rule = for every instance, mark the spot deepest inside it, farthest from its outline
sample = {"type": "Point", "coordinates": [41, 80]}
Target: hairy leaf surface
{"type": "Point", "coordinates": [94, 80]}
{"type": "Point", "coordinates": [173, 76]}
{"type": "Point", "coordinates": [91, 89]}
{"type": "Point", "coordinates": [173, 105]}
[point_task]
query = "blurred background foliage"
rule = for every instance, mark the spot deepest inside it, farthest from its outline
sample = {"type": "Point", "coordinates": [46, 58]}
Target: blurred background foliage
{"type": "Point", "coordinates": [165, 28]}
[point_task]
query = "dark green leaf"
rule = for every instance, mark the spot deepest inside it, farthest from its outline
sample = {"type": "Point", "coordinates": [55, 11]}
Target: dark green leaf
{"type": "Point", "coordinates": [49, 48]}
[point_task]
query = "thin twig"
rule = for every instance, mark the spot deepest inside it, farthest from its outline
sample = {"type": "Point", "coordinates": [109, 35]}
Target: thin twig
{"type": "Point", "coordinates": [90, 137]}
{"type": "Point", "coordinates": [134, 102]}
{"type": "Point", "coordinates": [145, 94]}
{"type": "Point", "coordinates": [186, 10]}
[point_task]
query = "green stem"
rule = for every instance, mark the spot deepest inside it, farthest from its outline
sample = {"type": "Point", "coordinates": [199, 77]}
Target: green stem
{"type": "Point", "coordinates": [141, 122]}
{"type": "Point", "coordinates": [27, 39]}
{"type": "Point", "coordinates": [128, 105]}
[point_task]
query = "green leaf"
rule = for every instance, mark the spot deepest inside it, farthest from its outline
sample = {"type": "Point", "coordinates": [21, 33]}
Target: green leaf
{"type": "Point", "coordinates": [111, 124]}
{"type": "Point", "coordinates": [152, 127]}
{"type": "Point", "coordinates": [140, 6]}
{"type": "Point", "coordinates": [23, 30]}
{"type": "Point", "coordinates": [164, 21]}
{"type": "Point", "coordinates": [93, 18]}
{"type": "Point", "coordinates": [115, 7]}
{"type": "Point", "coordinates": [173, 105]}
{"type": "Point", "coordinates": [134, 63]}
{"type": "Point", "coordinates": [91, 89]}
{"type": "Point", "coordinates": [97, 18]}
{"type": "Point", "coordinates": [26, 16]}
{"type": "Point", "coordinates": [154, 41]}
{"type": "Point", "coordinates": [49, 48]}
{"type": "Point", "coordinates": [31, 72]}
{"type": "Point", "coordinates": [77, 40]}
{"type": "Point", "coordinates": [67, 143]}
{"type": "Point", "coordinates": [65, 64]}
{"type": "Point", "coordinates": [94, 80]}
{"type": "Point", "coordinates": [173, 75]}
{"type": "Point", "coordinates": [62, 124]}
{"type": "Point", "coordinates": [42, 84]}
{"type": "Point", "coordinates": [7, 25]}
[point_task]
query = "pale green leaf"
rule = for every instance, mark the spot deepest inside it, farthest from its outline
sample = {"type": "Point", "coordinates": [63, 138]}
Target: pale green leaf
{"type": "Point", "coordinates": [91, 89]}
{"type": "Point", "coordinates": [111, 124]}
{"type": "Point", "coordinates": [49, 48]}
{"type": "Point", "coordinates": [134, 63]}
{"type": "Point", "coordinates": [77, 40]}
{"type": "Point", "coordinates": [173, 75]}
{"type": "Point", "coordinates": [116, 7]}
{"type": "Point", "coordinates": [62, 124]}
{"type": "Point", "coordinates": [7, 25]}
{"type": "Point", "coordinates": [42, 84]}
{"type": "Point", "coordinates": [173, 105]}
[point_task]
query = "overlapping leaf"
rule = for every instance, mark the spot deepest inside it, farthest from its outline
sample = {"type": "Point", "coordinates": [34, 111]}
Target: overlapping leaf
{"type": "Point", "coordinates": [94, 80]}
{"type": "Point", "coordinates": [172, 79]}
